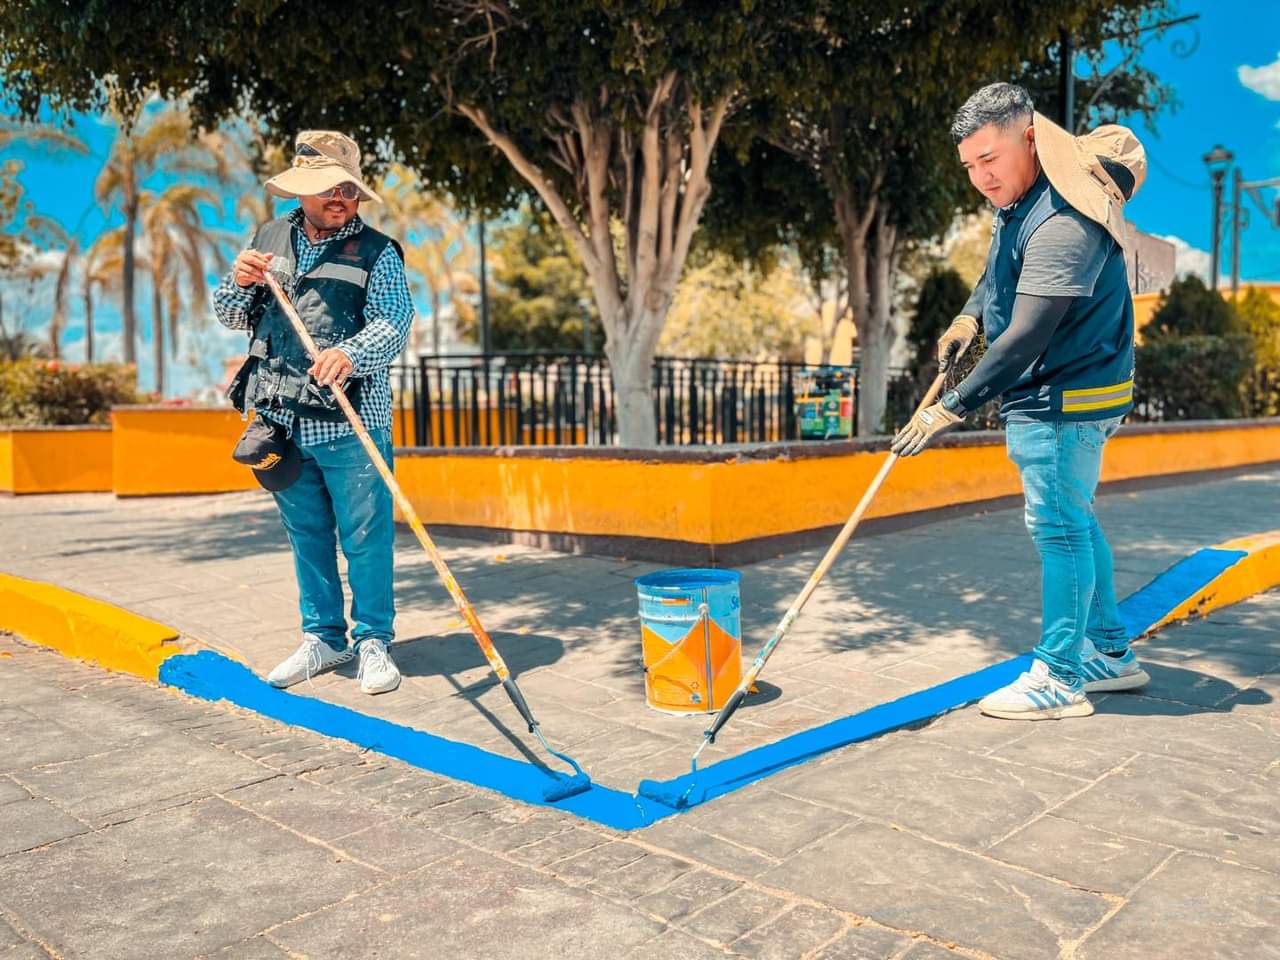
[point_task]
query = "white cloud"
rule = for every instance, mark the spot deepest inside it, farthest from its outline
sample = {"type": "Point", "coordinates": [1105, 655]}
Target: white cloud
{"type": "Point", "coordinates": [1264, 80]}
{"type": "Point", "coordinates": [1189, 260]}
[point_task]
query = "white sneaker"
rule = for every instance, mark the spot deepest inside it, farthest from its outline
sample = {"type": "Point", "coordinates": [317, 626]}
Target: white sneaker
{"type": "Point", "coordinates": [1036, 696]}
{"type": "Point", "coordinates": [377, 673]}
{"type": "Point", "coordinates": [1102, 673]}
{"type": "Point", "coordinates": [312, 656]}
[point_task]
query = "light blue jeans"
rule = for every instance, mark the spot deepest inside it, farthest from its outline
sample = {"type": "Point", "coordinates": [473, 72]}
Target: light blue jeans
{"type": "Point", "coordinates": [1060, 463]}
{"type": "Point", "coordinates": [340, 498]}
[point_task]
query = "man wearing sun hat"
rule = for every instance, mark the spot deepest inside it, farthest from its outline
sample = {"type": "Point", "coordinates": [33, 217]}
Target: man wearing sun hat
{"type": "Point", "coordinates": [1055, 306]}
{"type": "Point", "coordinates": [348, 284]}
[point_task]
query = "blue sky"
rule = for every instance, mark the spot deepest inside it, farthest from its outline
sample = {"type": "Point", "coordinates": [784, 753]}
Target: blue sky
{"type": "Point", "coordinates": [1228, 91]}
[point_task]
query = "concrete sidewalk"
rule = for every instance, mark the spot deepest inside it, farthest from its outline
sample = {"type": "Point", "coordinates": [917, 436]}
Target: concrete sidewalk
{"type": "Point", "coordinates": [1151, 823]}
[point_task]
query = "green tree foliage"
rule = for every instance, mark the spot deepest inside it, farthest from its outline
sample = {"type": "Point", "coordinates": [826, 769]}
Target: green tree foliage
{"type": "Point", "coordinates": [1195, 357]}
{"type": "Point", "coordinates": [1260, 317]}
{"type": "Point", "coordinates": [1187, 308]}
{"type": "Point", "coordinates": [731, 309]}
{"type": "Point", "coordinates": [540, 296]}
{"type": "Point", "coordinates": [942, 296]}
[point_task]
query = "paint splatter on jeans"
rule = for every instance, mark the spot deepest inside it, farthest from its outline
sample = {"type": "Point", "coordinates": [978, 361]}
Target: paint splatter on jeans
{"type": "Point", "coordinates": [339, 498]}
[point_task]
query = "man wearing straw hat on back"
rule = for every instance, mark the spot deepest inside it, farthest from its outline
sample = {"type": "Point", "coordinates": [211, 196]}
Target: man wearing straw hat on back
{"type": "Point", "coordinates": [1054, 303]}
{"type": "Point", "coordinates": [348, 284]}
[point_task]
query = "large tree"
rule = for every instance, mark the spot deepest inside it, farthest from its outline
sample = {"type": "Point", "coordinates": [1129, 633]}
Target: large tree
{"type": "Point", "coordinates": [863, 112]}
{"type": "Point", "coordinates": [607, 110]}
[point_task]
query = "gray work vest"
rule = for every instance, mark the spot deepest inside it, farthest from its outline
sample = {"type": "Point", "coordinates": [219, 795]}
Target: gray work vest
{"type": "Point", "coordinates": [330, 300]}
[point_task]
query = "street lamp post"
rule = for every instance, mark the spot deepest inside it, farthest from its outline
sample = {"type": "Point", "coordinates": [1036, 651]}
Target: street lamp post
{"type": "Point", "coordinates": [1217, 160]}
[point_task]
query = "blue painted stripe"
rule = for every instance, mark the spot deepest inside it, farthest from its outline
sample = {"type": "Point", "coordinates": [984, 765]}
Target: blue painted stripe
{"type": "Point", "coordinates": [1143, 609]}
{"type": "Point", "coordinates": [214, 677]}
{"type": "Point", "coordinates": [211, 676]}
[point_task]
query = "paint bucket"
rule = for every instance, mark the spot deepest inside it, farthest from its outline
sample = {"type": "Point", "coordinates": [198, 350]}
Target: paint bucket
{"type": "Point", "coordinates": [690, 627]}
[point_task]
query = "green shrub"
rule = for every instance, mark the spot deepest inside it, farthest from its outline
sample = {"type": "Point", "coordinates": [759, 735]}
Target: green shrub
{"type": "Point", "coordinates": [48, 392]}
{"type": "Point", "coordinates": [1197, 377]}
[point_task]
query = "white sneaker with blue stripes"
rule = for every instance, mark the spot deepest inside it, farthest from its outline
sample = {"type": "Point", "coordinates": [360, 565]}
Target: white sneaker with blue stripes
{"type": "Point", "coordinates": [1036, 695]}
{"type": "Point", "coordinates": [1103, 673]}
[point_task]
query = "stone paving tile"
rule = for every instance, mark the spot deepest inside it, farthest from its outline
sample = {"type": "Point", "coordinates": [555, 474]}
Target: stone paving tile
{"type": "Point", "coordinates": [10, 792]}
{"type": "Point", "coordinates": [865, 943]}
{"type": "Point", "coordinates": [943, 793]}
{"type": "Point", "coordinates": [687, 894]}
{"type": "Point", "coordinates": [735, 915]}
{"type": "Point", "coordinates": [137, 896]}
{"type": "Point", "coordinates": [33, 823]}
{"type": "Point", "coordinates": [259, 948]}
{"type": "Point", "coordinates": [592, 864]}
{"type": "Point", "coordinates": [1088, 857]}
{"type": "Point", "coordinates": [766, 820]}
{"type": "Point", "coordinates": [1186, 804]}
{"type": "Point", "coordinates": [561, 846]}
{"type": "Point", "coordinates": [311, 810]}
{"type": "Point", "coordinates": [647, 875]}
{"type": "Point", "coordinates": [798, 931]}
{"type": "Point", "coordinates": [911, 884]}
{"type": "Point", "coordinates": [469, 906]}
{"type": "Point", "coordinates": [396, 847]}
{"type": "Point", "coordinates": [1210, 910]}
{"type": "Point", "coordinates": [687, 840]}
{"type": "Point", "coordinates": [675, 945]}
{"type": "Point", "coordinates": [167, 772]}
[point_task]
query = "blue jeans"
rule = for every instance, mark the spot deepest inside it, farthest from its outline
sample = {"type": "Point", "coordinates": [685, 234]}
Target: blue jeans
{"type": "Point", "coordinates": [1060, 463]}
{"type": "Point", "coordinates": [340, 497]}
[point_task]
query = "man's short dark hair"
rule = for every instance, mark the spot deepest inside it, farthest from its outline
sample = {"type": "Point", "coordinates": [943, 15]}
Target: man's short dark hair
{"type": "Point", "coordinates": [998, 103]}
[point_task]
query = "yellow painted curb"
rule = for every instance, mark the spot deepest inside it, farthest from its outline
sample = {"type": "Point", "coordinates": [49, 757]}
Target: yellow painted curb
{"type": "Point", "coordinates": [1256, 572]}
{"type": "Point", "coordinates": [81, 627]}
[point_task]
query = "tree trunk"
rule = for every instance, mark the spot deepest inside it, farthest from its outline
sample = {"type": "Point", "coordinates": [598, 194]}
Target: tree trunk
{"type": "Point", "coordinates": [157, 337]}
{"type": "Point", "coordinates": [653, 180]}
{"type": "Point", "coordinates": [435, 322]}
{"type": "Point", "coordinates": [88, 322]}
{"type": "Point", "coordinates": [631, 362]}
{"type": "Point", "coordinates": [879, 337]}
{"type": "Point", "coordinates": [60, 302]}
{"type": "Point", "coordinates": [128, 269]}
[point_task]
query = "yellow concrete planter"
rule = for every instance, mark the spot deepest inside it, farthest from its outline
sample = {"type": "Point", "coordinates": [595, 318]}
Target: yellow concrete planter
{"type": "Point", "coordinates": [55, 459]}
{"type": "Point", "coordinates": [731, 504]}
{"type": "Point", "coordinates": [162, 450]}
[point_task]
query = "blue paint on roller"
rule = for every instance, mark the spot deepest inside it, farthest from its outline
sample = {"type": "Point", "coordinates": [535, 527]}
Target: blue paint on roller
{"type": "Point", "coordinates": [211, 676]}
{"type": "Point", "coordinates": [1144, 609]}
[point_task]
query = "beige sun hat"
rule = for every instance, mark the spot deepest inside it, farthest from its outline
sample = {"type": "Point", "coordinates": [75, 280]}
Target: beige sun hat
{"type": "Point", "coordinates": [322, 159]}
{"type": "Point", "coordinates": [1097, 172]}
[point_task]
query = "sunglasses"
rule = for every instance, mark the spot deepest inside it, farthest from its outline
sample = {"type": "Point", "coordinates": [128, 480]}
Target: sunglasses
{"type": "Point", "coordinates": [348, 191]}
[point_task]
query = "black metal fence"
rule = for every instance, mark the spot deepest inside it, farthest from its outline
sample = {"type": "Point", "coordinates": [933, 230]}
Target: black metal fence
{"type": "Point", "coordinates": [541, 398]}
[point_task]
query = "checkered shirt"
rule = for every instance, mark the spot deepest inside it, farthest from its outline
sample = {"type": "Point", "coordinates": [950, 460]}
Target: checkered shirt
{"type": "Point", "coordinates": [388, 314]}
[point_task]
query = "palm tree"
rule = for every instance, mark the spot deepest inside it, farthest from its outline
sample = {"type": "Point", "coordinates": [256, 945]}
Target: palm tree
{"type": "Point", "coordinates": [101, 266]}
{"type": "Point", "coordinates": [177, 242]}
{"type": "Point", "coordinates": [445, 264]}
{"type": "Point", "coordinates": [144, 144]}
{"type": "Point", "coordinates": [34, 224]}
{"type": "Point", "coordinates": [435, 241]}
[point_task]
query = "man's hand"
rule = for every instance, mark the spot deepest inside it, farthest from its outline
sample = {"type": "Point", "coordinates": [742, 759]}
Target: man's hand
{"type": "Point", "coordinates": [249, 266]}
{"type": "Point", "coordinates": [953, 343]}
{"type": "Point", "coordinates": [922, 428]}
{"type": "Point", "coordinates": [332, 367]}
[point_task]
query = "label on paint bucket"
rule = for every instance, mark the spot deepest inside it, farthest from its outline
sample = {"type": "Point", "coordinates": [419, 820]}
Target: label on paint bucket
{"type": "Point", "coordinates": [690, 627]}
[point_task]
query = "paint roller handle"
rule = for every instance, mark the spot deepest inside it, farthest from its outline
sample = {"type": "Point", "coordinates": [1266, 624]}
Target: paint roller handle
{"type": "Point", "coordinates": [725, 713]}
{"type": "Point", "coordinates": [513, 691]}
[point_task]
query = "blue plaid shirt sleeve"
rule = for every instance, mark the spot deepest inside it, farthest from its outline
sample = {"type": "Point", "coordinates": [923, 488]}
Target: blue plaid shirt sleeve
{"type": "Point", "coordinates": [388, 314]}
{"type": "Point", "coordinates": [231, 303]}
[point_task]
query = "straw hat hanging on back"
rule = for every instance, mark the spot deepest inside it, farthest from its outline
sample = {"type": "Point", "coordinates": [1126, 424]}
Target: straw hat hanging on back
{"type": "Point", "coordinates": [1097, 173]}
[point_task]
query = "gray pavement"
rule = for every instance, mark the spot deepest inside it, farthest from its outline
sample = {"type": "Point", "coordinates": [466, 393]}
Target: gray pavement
{"type": "Point", "coordinates": [135, 822]}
